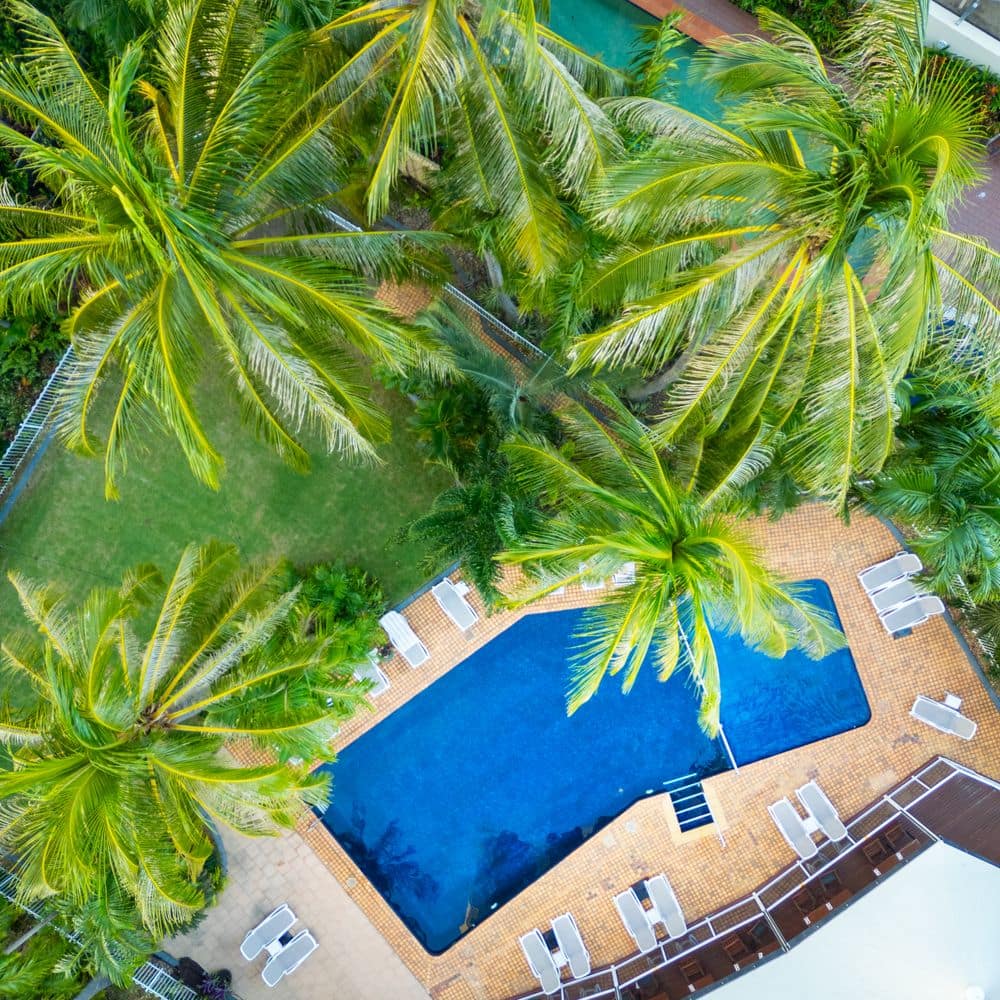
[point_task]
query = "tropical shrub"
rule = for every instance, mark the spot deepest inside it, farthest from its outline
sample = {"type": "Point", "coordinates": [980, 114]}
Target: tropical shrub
{"type": "Point", "coordinates": [29, 350]}
{"type": "Point", "coordinates": [117, 770]}
{"type": "Point", "coordinates": [488, 397]}
{"type": "Point", "coordinates": [609, 499]}
{"type": "Point", "coordinates": [823, 20]}
{"type": "Point", "coordinates": [782, 271]}
{"type": "Point", "coordinates": [984, 620]}
{"type": "Point", "coordinates": [474, 520]}
{"type": "Point", "coordinates": [191, 237]}
{"type": "Point", "coordinates": [339, 604]}
{"type": "Point", "coordinates": [942, 484]}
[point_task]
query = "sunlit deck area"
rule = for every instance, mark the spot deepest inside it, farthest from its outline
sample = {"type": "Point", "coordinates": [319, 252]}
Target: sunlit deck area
{"type": "Point", "coordinates": [728, 860]}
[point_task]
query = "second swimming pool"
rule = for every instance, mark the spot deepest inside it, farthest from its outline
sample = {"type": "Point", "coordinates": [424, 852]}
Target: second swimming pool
{"type": "Point", "coordinates": [470, 791]}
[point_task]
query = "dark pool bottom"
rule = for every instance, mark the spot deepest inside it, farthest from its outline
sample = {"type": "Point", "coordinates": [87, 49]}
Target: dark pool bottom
{"type": "Point", "coordinates": [480, 784]}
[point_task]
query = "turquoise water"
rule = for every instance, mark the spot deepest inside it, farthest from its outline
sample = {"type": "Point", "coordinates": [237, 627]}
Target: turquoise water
{"type": "Point", "coordinates": [462, 797]}
{"type": "Point", "coordinates": [607, 28]}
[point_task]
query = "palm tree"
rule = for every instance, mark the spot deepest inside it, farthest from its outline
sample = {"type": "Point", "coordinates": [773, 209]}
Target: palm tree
{"type": "Point", "coordinates": [612, 502]}
{"type": "Point", "coordinates": [943, 482]}
{"type": "Point", "coordinates": [474, 520]}
{"type": "Point", "coordinates": [507, 104]}
{"type": "Point", "coordinates": [783, 270]}
{"type": "Point", "coordinates": [117, 768]}
{"type": "Point", "coordinates": [191, 238]}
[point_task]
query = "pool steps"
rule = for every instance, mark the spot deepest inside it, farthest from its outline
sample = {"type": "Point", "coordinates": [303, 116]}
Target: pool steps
{"type": "Point", "coordinates": [688, 799]}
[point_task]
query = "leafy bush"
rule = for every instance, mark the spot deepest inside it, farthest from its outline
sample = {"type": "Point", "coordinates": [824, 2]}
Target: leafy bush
{"type": "Point", "coordinates": [820, 18]}
{"type": "Point", "coordinates": [943, 484]}
{"type": "Point", "coordinates": [29, 349]}
{"type": "Point", "coordinates": [985, 83]}
{"type": "Point", "coordinates": [338, 603]}
{"type": "Point", "coordinates": [474, 520]}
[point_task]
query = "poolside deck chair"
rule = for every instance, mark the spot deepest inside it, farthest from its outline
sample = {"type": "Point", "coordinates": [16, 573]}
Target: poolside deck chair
{"type": "Point", "coordinates": [635, 920]}
{"type": "Point", "coordinates": [452, 602]}
{"type": "Point", "coordinates": [625, 576]}
{"type": "Point", "coordinates": [666, 910]}
{"type": "Point", "coordinates": [793, 829]}
{"type": "Point", "coordinates": [540, 960]}
{"type": "Point", "coordinates": [889, 571]}
{"type": "Point", "coordinates": [571, 945]}
{"type": "Point", "coordinates": [892, 596]}
{"type": "Point", "coordinates": [912, 613]}
{"type": "Point", "coordinates": [815, 802]}
{"type": "Point", "coordinates": [943, 718]}
{"type": "Point", "coordinates": [405, 640]}
{"type": "Point", "coordinates": [276, 923]}
{"type": "Point", "coordinates": [371, 671]}
{"type": "Point", "coordinates": [286, 961]}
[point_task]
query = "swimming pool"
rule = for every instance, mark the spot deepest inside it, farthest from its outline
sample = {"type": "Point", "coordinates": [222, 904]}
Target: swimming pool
{"type": "Point", "coordinates": [607, 28]}
{"type": "Point", "coordinates": [470, 791]}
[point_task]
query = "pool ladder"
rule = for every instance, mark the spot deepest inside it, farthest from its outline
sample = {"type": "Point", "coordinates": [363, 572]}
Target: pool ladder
{"type": "Point", "coordinates": [689, 802]}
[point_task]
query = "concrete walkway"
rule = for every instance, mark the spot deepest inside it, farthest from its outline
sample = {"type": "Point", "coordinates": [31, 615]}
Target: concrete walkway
{"type": "Point", "coordinates": [979, 214]}
{"type": "Point", "coordinates": [353, 960]}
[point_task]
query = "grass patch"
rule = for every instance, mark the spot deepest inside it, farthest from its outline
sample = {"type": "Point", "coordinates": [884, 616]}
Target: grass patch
{"type": "Point", "coordinates": [62, 529]}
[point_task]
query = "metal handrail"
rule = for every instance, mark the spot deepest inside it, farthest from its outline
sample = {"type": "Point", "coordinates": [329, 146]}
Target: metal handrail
{"type": "Point", "coordinates": [150, 977]}
{"type": "Point", "coordinates": [753, 899]}
{"type": "Point", "coordinates": [37, 419]}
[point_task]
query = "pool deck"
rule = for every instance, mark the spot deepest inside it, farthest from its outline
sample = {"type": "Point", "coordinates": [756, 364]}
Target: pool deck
{"type": "Point", "coordinates": [720, 863]}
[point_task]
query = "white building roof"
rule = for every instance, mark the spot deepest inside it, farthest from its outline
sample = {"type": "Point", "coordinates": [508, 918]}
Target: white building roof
{"type": "Point", "coordinates": [928, 933]}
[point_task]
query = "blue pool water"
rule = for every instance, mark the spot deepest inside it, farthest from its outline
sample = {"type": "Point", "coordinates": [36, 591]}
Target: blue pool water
{"type": "Point", "coordinates": [471, 790]}
{"type": "Point", "coordinates": [607, 28]}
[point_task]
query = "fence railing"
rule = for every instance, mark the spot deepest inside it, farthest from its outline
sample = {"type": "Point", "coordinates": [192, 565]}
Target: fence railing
{"type": "Point", "coordinates": [34, 424]}
{"type": "Point", "coordinates": [609, 982]}
{"type": "Point", "coordinates": [152, 978]}
{"type": "Point", "coordinates": [497, 329]}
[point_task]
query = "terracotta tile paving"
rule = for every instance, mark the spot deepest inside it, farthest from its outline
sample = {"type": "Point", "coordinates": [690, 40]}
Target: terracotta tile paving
{"type": "Point", "coordinates": [717, 864]}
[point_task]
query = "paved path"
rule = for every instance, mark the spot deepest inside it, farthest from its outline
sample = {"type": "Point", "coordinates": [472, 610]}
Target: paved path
{"type": "Point", "coordinates": [980, 213]}
{"type": "Point", "coordinates": [353, 962]}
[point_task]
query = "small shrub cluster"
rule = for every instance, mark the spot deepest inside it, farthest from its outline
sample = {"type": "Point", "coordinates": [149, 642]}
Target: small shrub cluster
{"type": "Point", "coordinates": [29, 350]}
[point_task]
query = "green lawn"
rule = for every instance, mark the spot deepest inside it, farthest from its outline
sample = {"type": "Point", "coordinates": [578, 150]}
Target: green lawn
{"type": "Point", "coordinates": [62, 529]}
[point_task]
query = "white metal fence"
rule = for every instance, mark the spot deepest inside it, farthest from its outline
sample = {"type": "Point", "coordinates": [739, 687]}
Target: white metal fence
{"type": "Point", "coordinates": [151, 977]}
{"type": "Point", "coordinates": [34, 424]}
{"type": "Point", "coordinates": [608, 983]}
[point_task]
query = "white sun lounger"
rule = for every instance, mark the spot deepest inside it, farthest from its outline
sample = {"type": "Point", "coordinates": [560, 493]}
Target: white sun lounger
{"type": "Point", "coordinates": [397, 628]}
{"type": "Point", "coordinates": [452, 602]}
{"type": "Point", "coordinates": [371, 671]}
{"type": "Point", "coordinates": [942, 717]}
{"type": "Point", "coordinates": [666, 910]}
{"type": "Point", "coordinates": [884, 573]}
{"type": "Point", "coordinates": [912, 613]}
{"type": "Point", "coordinates": [892, 596]}
{"type": "Point", "coordinates": [635, 920]}
{"type": "Point", "coordinates": [793, 829]}
{"type": "Point", "coordinates": [571, 945]}
{"type": "Point", "coordinates": [268, 931]}
{"type": "Point", "coordinates": [540, 960]}
{"type": "Point", "coordinates": [814, 800]}
{"type": "Point", "coordinates": [286, 961]}
{"type": "Point", "coordinates": [625, 575]}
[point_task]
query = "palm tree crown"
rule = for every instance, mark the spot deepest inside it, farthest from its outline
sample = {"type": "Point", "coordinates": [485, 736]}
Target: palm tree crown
{"type": "Point", "coordinates": [510, 101]}
{"type": "Point", "coordinates": [788, 266]}
{"type": "Point", "coordinates": [118, 769]}
{"type": "Point", "coordinates": [192, 236]}
{"type": "Point", "coordinates": [613, 502]}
